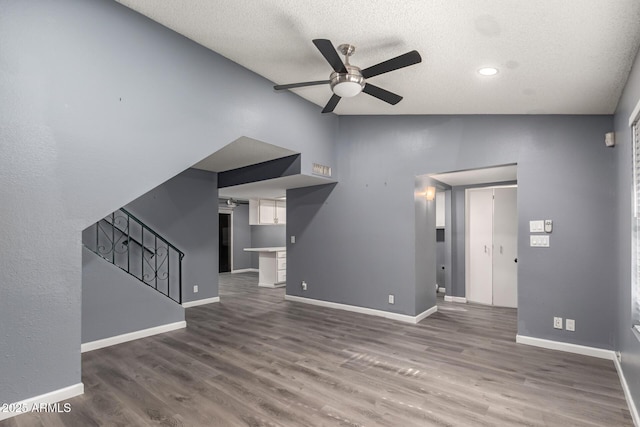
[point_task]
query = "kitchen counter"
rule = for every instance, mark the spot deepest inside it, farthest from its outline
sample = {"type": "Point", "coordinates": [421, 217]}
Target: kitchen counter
{"type": "Point", "coordinates": [272, 266]}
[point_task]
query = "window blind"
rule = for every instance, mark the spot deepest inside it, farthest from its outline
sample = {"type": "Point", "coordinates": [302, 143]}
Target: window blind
{"type": "Point", "coordinates": [636, 224]}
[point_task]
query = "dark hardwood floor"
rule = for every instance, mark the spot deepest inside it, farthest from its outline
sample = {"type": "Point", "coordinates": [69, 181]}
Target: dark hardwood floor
{"type": "Point", "coordinates": [256, 360]}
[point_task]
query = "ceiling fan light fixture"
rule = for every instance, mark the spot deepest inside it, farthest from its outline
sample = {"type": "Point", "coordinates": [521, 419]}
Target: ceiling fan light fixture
{"type": "Point", "coordinates": [347, 85]}
{"type": "Point", "coordinates": [488, 71]}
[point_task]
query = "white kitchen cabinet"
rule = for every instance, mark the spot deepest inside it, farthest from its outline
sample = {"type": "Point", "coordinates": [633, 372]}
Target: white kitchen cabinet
{"type": "Point", "coordinates": [253, 211]}
{"type": "Point", "coordinates": [271, 212]}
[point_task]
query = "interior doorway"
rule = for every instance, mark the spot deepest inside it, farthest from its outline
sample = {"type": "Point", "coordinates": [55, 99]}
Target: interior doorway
{"type": "Point", "coordinates": [491, 245]}
{"type": "Point", "coordinates": [224, 242]}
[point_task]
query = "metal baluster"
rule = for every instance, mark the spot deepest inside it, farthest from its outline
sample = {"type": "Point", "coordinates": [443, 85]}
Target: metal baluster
{"type": "Point", "coordinates": [128, 245]}
{"type": "Point", "coordinates": [142, 252]}
{"type": "Point", "coordinates": [113, 238]}
{"type": "Point", "coordinates": [168, 271]}
{"type": "Point", "coordinates": [155, 257]}
{"type": "Point", "coordinates": [180, 276]}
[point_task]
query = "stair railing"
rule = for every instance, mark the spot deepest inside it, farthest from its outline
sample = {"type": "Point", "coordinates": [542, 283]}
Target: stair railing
{"type": "Point", "coordinates": [125, 241]}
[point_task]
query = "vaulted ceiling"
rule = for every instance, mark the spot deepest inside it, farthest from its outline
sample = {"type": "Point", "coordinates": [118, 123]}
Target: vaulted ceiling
{"type": "Point", "coordinates": [553, 57]}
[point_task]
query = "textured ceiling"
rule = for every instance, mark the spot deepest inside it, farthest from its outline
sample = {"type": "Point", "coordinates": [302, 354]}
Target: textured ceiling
{"type": "Point", "coordinates": [554, 57]}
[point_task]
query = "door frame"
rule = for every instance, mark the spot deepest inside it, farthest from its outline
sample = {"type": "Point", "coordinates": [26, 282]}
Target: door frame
{"type": "Point", "coordinates": [226, 210]}
{"type": "Point", "coordinates": [467, 254]}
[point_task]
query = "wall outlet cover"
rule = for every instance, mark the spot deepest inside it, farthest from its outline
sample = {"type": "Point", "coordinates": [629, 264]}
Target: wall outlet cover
{"type": "Point", "coordinates": [392, 299]}
{"type": "Point", "coordinates": [557, 322]}
{"type": "Point", "coordinates": [195, 289]}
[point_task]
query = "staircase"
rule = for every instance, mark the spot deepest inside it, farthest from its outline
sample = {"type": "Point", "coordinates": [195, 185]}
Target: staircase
{"type": "Point", "coordinates": [126, 242]}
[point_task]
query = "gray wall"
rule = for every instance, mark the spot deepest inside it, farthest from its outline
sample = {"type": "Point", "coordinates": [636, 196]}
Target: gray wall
{"type": "Point", "coordinates": [425, 247]}
{"type": "Point", "coordinates": [627, 342]}
{"type": "Point", "coordinates": [184, 210]}
{"type": "Point", "coordinates": [266, 236]}
{"type": "Point", "coordinates": [361, 235]}
{"type": "Point", "coordinates": [115, 303]}
{"type": "Point", "coordinates": [100, 105]}
{"type": "Point", "coordinates": [241, 237]}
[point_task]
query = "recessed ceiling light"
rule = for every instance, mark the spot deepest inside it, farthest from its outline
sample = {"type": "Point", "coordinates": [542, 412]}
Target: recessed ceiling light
{"type": "Point", "coordinates": [488, 71]}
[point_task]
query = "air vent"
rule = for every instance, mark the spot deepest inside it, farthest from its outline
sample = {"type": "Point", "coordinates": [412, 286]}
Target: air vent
{"type": "Point", "coordinates": [323, 170]}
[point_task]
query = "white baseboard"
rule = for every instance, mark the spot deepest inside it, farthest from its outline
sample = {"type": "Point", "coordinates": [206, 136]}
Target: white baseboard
{"type": "Point", "coordinates": [272, 285]}
{"type": "Point", "coordinates": [600, 353]}
{"type": "Point", "coordinates": [461, 300]}
{"type": "Point", "coordinates": [55, 396]}
{"type": "Point", "coordinates": [442, 290]}
{"type": "Point", "coordinates": [245, 270]}
{"type": "Point", "coordinates": [428, 312]}
{"type": "Point", "coordinates": [119, 339]}
{"type": "Point", "coordinates": [364, 310]}
{"type": "Point", "coordinates": [200, 302]}
{"type": "Point", "coordinates": [627, 393]}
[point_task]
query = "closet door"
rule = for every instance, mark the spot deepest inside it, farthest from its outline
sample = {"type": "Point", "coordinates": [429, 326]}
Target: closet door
{"type": "Point", "coordinates": [480, 241]}
{"type": "Point", "coordinates": [505, 240]}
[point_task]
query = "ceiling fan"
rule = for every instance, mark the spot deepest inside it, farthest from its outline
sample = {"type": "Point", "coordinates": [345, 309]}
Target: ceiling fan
{"type": "Point", "coordinates": [348, 80]}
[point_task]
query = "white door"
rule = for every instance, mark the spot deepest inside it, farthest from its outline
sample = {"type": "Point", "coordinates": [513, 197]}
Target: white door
{"type": "Point", "coordinates": [480, 241]}
{"type": "Point", "coordinates": [505, 246]}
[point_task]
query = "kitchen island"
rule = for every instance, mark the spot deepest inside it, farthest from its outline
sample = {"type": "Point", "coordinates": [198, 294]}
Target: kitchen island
{"type": "Point", "coordinates": [272, 266]}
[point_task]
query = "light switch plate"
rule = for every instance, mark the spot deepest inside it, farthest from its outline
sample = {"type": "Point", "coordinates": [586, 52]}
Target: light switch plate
{"type": "Point", "coordinates": [536, 226]}
{"type": "Point", "coordinates": [570, 325]}
{"type": "Point", "coordinates": [537, 241]}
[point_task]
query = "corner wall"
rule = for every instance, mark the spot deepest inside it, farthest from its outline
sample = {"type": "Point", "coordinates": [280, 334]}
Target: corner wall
{"type": "Point", "coordinates": [361, 234]}
{"type": "Point", "coordinates": [184, 210]}
{"type": "Point", "coordinates": [627, 343]}
{"type": "Point", "coordinates": [99, 106]}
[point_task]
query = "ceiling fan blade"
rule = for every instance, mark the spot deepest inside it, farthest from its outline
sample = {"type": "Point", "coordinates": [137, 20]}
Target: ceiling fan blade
{"type": "Point", "coordinates": [330, 54]}
{"type": "Point", "coordinates": [409, 58]}
{"type": "Point", "coordinates": [382, 94]}
{"type": "Point", "coordinates": [303, 84]}
{"type": "Point", "coordinates": [331, 105]}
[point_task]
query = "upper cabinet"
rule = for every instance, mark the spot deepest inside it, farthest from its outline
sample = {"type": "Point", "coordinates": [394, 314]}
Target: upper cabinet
{"type": "Point", "coordinates": [267, 212]}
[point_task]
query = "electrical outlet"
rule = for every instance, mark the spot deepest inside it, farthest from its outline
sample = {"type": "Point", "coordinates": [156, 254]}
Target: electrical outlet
{"type": "Point", "coordinates": [570, 325]}
{"type": "Point", "coordinates": [557, 322]}
{"type": "Point", "coordinates": [293, 239]}
{"type": "Point", "coordinates": [195, 289]}
{"type": "Point", "coordinates": [392, 299]}
{"type": "Point", "coordinates": [304, 285]}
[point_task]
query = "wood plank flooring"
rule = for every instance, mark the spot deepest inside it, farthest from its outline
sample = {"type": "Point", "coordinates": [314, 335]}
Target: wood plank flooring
{"type": "Point", "coordinates": [256, 360]}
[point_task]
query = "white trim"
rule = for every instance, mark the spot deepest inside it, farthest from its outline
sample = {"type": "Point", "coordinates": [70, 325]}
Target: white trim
{"type": "Point", "coordinates": [49, 398]}
{"type": "Point", "coordinates": [245, 270]}
{"type": "Point", "coordinates": [442, 290]}
{"type": "Point", "coordinates": [450, 298]}
{"type": "Point", "coordinates": [272, 285]}
{"type": "Point", "coordinates": [600, 353]}
{"type": "Point", "coordinates": [627, 393]}
{"type": "Point", "coordinates": [364, 310]}
{"type": "Point", "coordinates": [635, 114]}
{"type": "Point", "coordinates": [119, 339]}
{"type": "Point", "coordinates": [196, 303]}
{"type": "Point", "coordinates": [428, 312]}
